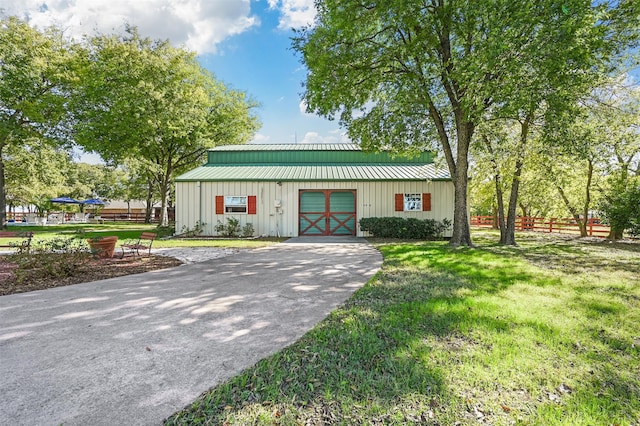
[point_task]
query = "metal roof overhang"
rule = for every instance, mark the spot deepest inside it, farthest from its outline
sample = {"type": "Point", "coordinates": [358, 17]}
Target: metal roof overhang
{"type": "Point", "coordinates": [298, 173]}
{"type": "Point", "coordinates": [289, 147]}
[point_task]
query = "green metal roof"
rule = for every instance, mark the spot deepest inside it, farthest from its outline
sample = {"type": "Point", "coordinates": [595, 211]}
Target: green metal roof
{"type": "Point", "coordinates": [289, 147]}
{"type": "Point", "coordinates": [311, 162]}
{"type": "Point", "coordinates": [283, 154]}
{"type": "Point", "coordinates": [297, 173]}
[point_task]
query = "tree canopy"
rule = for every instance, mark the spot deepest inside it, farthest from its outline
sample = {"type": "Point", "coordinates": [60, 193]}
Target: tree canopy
{"type": "Point", "coordinates": [402, 74]}
{"type": "Point", "coordinates": [35, 75]}
{"type": "Point", "coordinates": [150, 101]}
{"type": "Point", "coordinates": [129, 99]}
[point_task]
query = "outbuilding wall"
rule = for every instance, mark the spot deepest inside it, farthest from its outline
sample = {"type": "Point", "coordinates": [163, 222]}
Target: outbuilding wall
{"type": "Point", "coordinates": [195, 202]}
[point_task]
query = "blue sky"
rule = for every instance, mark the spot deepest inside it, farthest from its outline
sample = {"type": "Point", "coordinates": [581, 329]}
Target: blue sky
{"type": "Point", "coordinates": [245, 43]}
{"type": "Point", "coordinates": [260, 61]}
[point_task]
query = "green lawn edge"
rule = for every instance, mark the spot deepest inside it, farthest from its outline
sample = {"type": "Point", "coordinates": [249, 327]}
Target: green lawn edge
{"type": "Point", "coordinates": [545, 333]}
{"type": "Point", "coordinates": [131, 232]}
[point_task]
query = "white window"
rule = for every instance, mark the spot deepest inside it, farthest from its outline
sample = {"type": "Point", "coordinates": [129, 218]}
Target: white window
{"type": "Point", "coordinates": [235, 204]}
{"type": "Point", "coordinates": [412, 202]}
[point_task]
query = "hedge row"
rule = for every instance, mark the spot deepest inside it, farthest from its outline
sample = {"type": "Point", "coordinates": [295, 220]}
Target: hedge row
{"type": "Point", "coordinates": [405, 228]}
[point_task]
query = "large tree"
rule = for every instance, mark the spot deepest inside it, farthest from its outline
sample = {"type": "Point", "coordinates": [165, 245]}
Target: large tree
{"type": "Point", "coordinates": [35, 172]}
{"type": "Point", "coordinates": [615, 122]}
{"type": "Point", "coordinates": [400, 74]}
{"type": "Point", "coordinates": [150, 101]}
{"type": "Point", "coordinates": [35, 73]}
{"type": "Point", "coordinates": [96, 181]}
{"type": "Point", "coordinates": [503, 143]}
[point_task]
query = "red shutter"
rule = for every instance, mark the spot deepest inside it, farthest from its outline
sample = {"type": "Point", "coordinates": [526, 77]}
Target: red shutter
{"type": "Point", "coordinates": [426, 202]}
{"type": "Point", "coordinates": [219, 204]}
{"type": "Point", "coordinates": [252, 204]}
{"type": "Point", "coordinates": [399, 202]}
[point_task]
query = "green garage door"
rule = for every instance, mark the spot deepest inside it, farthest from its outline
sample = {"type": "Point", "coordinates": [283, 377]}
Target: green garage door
{"type": "Point", "coordinates": [327, 212]}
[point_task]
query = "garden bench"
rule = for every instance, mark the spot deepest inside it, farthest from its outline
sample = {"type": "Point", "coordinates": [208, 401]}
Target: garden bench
{"type": "Point", "coordinates": [24, 245]}
{"type": "Point", "coordinates": [144, 243]}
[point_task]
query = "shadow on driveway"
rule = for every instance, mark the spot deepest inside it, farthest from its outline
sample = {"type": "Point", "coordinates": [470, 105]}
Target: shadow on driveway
{"type": "Point", "coordinates": [135, 349]}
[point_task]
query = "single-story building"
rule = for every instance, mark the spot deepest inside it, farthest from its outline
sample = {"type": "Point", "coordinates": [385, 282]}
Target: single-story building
{"type": "Point", "coordinates": [309, 189]}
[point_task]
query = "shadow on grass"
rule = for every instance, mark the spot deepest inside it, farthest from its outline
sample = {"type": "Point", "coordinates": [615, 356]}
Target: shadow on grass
{"type": "Point", "coordinates": [569, 254]}
{"type": "Point", "coordinates": [366, 363]}
{"type": "Point", "coordinates": [349, 370]}
{"type": "Point", "coordinates": [389, 355]}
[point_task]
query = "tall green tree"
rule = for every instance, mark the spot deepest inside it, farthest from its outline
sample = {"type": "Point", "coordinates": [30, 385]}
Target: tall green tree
{"type": "Point", "coordinates": [400, 74]}
{"type": "Point", "coordinates": [35, 74]}
{"type": "Point", "coordinates": [615, 118]}
{"type": "Point", "coordinates": [35, 172]}
{"type": "Point", "coordinates": [96, 181]}
{"type": "Point", "coordinates": [504, 143]}
{"type": "Point", "coordinates": [620, 207]}
{"type": "Point", "coordinates": [141, 186]}
{"type": "Point", "coordinates": [147, 100]}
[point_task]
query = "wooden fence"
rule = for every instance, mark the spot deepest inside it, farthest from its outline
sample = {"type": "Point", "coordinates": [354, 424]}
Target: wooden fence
{"type": "Point", "coordinates": [124, 217]}
{"type": "Point", "coordinates": [541, 224]}
{"type": "Point", "coordinates": [104, 217]}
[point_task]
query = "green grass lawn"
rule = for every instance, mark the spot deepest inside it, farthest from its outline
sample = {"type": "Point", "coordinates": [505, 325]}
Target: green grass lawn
{"type": "Point", "coordinates": [545, 333]}
{"type": "Point", "coordinates": [131, 231]}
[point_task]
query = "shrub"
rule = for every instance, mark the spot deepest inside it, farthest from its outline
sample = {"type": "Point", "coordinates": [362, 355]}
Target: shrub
{"type": "Point", "coordinates": [166, 231]}
{"type": "Point", "coordinates": [231, 229]}
{"type": "Point", "coordinates": [405, 228]}
{"type": "Point", "coordinates": [58, 257]}
{"type": "Point", "coordinates": [620, 208]}
{"type": "Point", "coordinates": [198, 228]}
{"type": "Point", "coordinates": [247, 230]}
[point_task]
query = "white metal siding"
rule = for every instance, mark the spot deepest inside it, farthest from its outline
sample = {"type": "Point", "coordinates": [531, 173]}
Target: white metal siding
{"type": "Point", "coordinates": [195, 201]}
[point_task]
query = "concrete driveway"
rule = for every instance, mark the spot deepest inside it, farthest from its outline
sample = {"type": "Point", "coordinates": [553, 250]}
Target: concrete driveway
{"type": "Point", "coordinates": [135, 349]}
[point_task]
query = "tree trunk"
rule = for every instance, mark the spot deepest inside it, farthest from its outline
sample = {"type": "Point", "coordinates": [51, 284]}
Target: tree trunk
{"type": "Point", "coordinates": [164, 214]}
{"type": "Point", "coordinates": [461, 231]}
{"type": "Point", "coordinates": [587, 200]}
{"type": "Point", "coordinates": [510, 232]}
{"type": "Point", "coordinates": [3, 194]}
{"type": "Point", "coordinates": [149, 207]}
{"type": "Point", "coordinates": [165, 183]}
{"type": "Point", "coordinates": [573, 210]}
{"type": "Point", "coordinates": [615, 234]}
{"type": "Point", "coordinates": [500, 206]}
{"type": "Point", "coordinates": [581, 222]}
{"type": "Point", "coordinates": [510, 235]}
{"type": "Point", "coordinates": [497, 178]}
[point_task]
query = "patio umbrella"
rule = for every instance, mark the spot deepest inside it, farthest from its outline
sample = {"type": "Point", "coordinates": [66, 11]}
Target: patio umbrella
{"type": "Point", "coordinates": [64, 200]}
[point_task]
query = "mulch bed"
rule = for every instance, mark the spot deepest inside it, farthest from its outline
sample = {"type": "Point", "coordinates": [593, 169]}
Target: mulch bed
{"type": "Point", "coordinates": [91, 270]}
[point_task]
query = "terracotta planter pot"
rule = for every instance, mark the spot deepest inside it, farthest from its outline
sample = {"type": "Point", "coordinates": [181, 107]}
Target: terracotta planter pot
{"type": "Point", "coordinates": [104, 247]}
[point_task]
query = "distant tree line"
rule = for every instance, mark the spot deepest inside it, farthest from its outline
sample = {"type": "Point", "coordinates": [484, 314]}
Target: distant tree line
{"type": "Point", "coordinates": [147, 108]}
{"type": "Point", "coordinates": [501, 88]}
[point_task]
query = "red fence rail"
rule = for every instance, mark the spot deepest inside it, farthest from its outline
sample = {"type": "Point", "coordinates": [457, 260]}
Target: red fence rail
{"type": "Point", "coordinates": [541, 224]}
{"type": "Point", "coordinates": [124, 217]}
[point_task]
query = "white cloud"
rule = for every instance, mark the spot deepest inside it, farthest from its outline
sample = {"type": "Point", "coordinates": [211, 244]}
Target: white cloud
{"type": "Point", "coordinates": [341, 135]}
{"type": "Point", "coordinates": [294, 13]}
{"type": "Point", "coordinates": [260, 138]}
{"type": "Point", "coordinates": [312, 137]}
{"type": "Point", "coordinates": [334, 136]}
{"type": "Point", "coordinates": [302, 106]}
{"type": "Point", "coordinates": [198, 25]}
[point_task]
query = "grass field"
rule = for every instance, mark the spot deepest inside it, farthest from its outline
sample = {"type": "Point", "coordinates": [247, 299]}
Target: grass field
{"type": "Point", "coordinates": [131, 231]}
{"type": "Point", "coordinates": [546, 333]}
